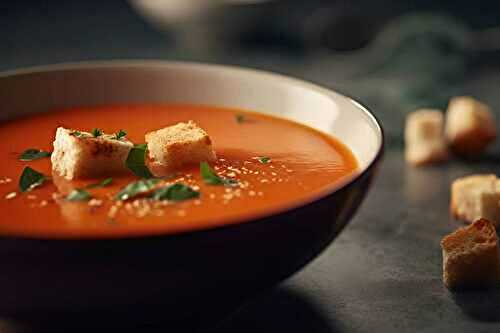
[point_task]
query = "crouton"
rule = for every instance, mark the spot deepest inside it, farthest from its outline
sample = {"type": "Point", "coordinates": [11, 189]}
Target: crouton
{"type": "Point", "coordinates": [424, 138]}
{"type": "Point", "coordinates": [175, 146]}
{"type": "Point", "coordinates": [470, 126]}
{"type": "Point", "coordinates": [471, 257]}
{"type": "Point", "coordinates": [81, 155]}
{"type": "Point", "coordinates": [474, 197]}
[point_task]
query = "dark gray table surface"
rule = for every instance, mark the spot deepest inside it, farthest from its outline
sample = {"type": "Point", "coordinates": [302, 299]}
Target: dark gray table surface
{"type": "Point", "coordinates": [383, 273]}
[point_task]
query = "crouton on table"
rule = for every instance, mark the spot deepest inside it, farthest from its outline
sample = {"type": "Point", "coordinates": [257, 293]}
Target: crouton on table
{"type": "Point", "coordinates": [176, 146]}
{"type": "Point", "coordinates": [424, 138]}
{"type": "Point", "coordinates": [471, 257]}
{"type": "Point", "coordinates": [79, 154]}
{"type": "Point", "coordinates": [470, 126]}
{"type": "Point", "coordinates": [476, 196]}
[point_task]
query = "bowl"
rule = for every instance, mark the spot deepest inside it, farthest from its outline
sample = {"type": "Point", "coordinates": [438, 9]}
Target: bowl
{"type": "Point", "coordinates": [183, 278]}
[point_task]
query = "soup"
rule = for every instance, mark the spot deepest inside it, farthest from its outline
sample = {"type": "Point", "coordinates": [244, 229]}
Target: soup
{"type": "Point", "coordinates": [274, 164]}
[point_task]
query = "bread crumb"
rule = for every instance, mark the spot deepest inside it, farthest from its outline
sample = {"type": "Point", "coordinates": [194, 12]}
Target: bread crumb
{"type": "Point", "coordinates": [470, 126]}
{"type": "Point", "coordinates": [174, 146]}
{"type": "Point", "coordinates": [425, 142]}
{"type": "Point", "coordinates": [474, 197]}
{"type": "Point", "coordinates": [79, 156]}
{"type": "Point", "coordinates": [471, 256]}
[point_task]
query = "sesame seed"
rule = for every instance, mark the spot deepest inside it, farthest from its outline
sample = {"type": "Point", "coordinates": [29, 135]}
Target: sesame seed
{"type": "Point", "coordinates": [32, 197]}
{"type": "Point", "coordinates": [252, 193]}
{"type": "Point", "coordinates": [5, 180]}
{"type": "Point", "coordinates": [43, 203]}
{"type": "Point", "coordinates": [129, 208]}
{"type": "Point", "coordinates": [11, 195]}
{"type": "Point", "coordinates": [112, 211]}
{"type": "Point", "coordinates": [95, 202]}
{"type": "Point", "coordinates": [264, 181]}
{"type": "Point", "coordinates": [158, 212]}
{"type": "Point", "coordinates": [181, 212]}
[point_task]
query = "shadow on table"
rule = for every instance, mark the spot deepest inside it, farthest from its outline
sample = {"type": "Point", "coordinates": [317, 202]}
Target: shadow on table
{"type": "Point", "coordinates": [279, 310]}
{"type": "Point", "coordinates": [480, 306]}
{"type": "Point", "coordinates": [282, 310]}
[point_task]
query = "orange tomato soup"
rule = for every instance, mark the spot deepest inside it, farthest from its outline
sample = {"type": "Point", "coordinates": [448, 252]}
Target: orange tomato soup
{"type": "Point", "coordinates": [303, 164]}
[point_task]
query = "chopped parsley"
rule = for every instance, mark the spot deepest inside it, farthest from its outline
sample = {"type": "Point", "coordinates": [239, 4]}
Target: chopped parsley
{"type": "Point", "coordinates": [136, 161]}
{"type": "Point", "coordinates": [33, 154]}
{"type": "Point", "coordinates": [78, 195]}
{"type": "Point", "coordinates": [81, 194]}
{"type": "Point", "coordinates": [120, 135]}
{"type": "Point", "coordinates": [78, 134]}
{"type": "Point", "coordinates": [30, 179]}
{"type": "Point", "coordinates": [210, 177]}
{"type": "Point", "coordinates": [175, 192]}
{"type": "Point", "coordinates": [264, 159]}
{"type": "Point", "coordinates": [96, 132]}
{"type": "Point", "coordinates": [134, 189]}
{"type": "Point", "coordinates": [240, 118]}
{"type": "Point", "coordinates": [104, 183]}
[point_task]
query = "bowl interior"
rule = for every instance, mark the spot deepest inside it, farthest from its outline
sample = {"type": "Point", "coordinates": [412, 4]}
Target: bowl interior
{"type": "Point", "coordinates": [135, 82]}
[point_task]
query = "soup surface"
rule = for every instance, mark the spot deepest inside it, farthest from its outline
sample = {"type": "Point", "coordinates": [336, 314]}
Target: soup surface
{"type": "Point", "coordinates": [276, 163]}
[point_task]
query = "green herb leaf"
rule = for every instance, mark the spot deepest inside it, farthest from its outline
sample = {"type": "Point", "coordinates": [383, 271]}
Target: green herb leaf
{"type": "Point", "coordinates": [136, 188]}
{"type": "Point", "coordinates": [212, 178]}
{"type": "Point", "coordinates": [240, 118]}
{"type": "Point", "coordinates": [96, 132]}
{"type": "Point", "coordinates": [30, 179]}
{"type": "Point", "coordinates": [33, 154]}
{"type": "Point", "coordinates": [120, 134]}
{"type": "Point", "coordinates": [136, 161]}
{"type": "Point", "coordinates": [264, 160]}
{"type": "Point", "coordinates": [78, 195]}
{"type": "Point", "coordinates": [104, 183]}
{"type": "Point", "coordinates": [175, 192]}
{"type": "Point", "coordinates": [78, 134]}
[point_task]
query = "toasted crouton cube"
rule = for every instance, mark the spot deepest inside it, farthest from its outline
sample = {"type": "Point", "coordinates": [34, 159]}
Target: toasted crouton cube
{"type": "Point", "coordinates": [476, 196]}
{"type": "Point", "coordinates": [175, 146]}
{"type": "Point", "coordinates": [424, 138]}
{"type": "Point", "coordinates": [81, 155]}
{"type": "Point", "coordinates": [470, 126]}
{"type": "Point", "coordinates": [471, 257]}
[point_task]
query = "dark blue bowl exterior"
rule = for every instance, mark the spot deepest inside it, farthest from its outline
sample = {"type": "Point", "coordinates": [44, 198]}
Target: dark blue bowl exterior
{"type": "Point", "coordinates": [183, 275]}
